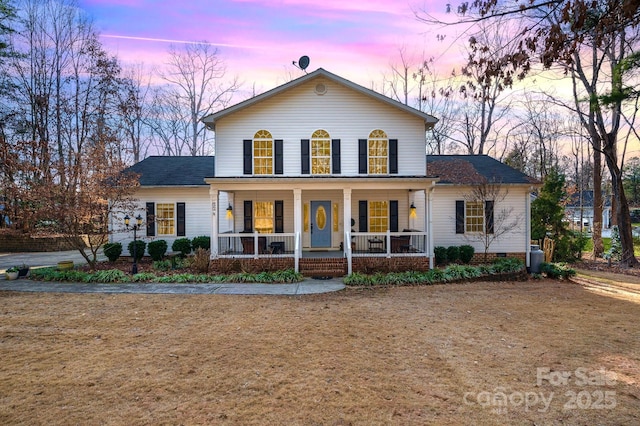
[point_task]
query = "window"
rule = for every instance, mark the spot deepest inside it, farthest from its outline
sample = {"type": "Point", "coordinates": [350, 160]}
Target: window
{"type": "Point", "coordinates": [165, 219]}
{"type": "Point", "coordinates": [320, 153]}
{"type": "Point", "coordinates": [474, 216]}
{"type": "Point", "coordinates": [378, 216]}
{"type": "Point", "coordinates": [378, 150]}
{"type": "Point", "coordinates": [262, 153]}
{"type": "Point", "coordinates": [263, 217]}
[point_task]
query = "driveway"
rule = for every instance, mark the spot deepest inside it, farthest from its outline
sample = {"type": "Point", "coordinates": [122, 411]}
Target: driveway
{"type": "Point", "coordinates": [40, 259]}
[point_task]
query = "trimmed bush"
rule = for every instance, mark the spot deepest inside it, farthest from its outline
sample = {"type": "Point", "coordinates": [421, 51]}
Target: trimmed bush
{"type": "Point", "coordinates": [183, 245]}
{"type": "Point", "coordinates": [466, 253]}
{"type": "Point", "coordinates": [140, 246]}
{"type": "Point", "coordinates": [112, 251]}
{"type": "Point", "coordinates": [203, 242]}
{"type": "Point", "coordinates": [440, 254]}
{"type": "Point", "coordinates": [453, 253]}
{"type": "Point", "coordinates": [157, 249]}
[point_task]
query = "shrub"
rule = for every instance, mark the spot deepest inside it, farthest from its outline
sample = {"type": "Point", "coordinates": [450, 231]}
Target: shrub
{"type": "Point", "coordinates": [203, 242]}
{"type": "Point", "coordinates": [201, 260]}
{"type": "Point", "coordinates": [140, 246]}
{"type": "Point", "coordinates": [556, 270]}
{"type": "Point", "coordinates": [112, 251]}
{"type": "Point", "coordinates": [162, 265]}
{"type": "Point", "coordinates": [466, 253]}
{"type": "Point", "coordinates": [506, 264]}
{"type": "Point", "coordinates": [109, 276]}
{"type": "Point", "coordinates": [440, 254]}
{"type": "Point", "coordinates": [453, 253]}
{"type": "Point", "coordinates": [183, 245]}
{"type": "Point", "coordinates": [157, 249]}
{"type": "Point", "coordinates": [569, 247]}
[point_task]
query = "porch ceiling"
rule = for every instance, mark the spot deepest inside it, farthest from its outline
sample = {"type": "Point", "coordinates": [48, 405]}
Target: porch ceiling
{"type": "Point", "coordinates": [321, 182]}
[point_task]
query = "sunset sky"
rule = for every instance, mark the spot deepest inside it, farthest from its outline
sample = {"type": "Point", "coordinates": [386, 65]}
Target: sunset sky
{"type": "Point", "coordinates": [259, 39]}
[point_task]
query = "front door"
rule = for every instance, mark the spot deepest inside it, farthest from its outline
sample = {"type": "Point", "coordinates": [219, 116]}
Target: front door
{"type": "Point", "coordinates": [320, 224]}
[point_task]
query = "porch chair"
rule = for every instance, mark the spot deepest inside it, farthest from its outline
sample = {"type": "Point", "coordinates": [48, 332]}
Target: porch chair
{"type": "Point", "coordinates": [247, 245]}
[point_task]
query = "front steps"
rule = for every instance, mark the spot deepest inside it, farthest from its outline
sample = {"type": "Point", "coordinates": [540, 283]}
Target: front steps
{"type": "Point", "coordinates": [323, 267]}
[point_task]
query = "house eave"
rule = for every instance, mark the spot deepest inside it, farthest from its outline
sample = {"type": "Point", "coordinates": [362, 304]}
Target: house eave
{"type": "Point", "coordinates": [321, 182]}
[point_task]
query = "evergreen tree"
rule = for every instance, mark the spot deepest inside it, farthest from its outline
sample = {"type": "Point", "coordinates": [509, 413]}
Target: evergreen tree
{"type": "Point", "coordinates": [547, 211]}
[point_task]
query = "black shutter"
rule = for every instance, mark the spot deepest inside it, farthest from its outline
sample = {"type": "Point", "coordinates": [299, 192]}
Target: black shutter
{"type": "Point", "coordinates": [180, 220]}
{"type": "Point", "coordinates": [151, 219]}
{"type": "Point", "coordinates": [393, 156]}
{"type": "Point", "coordinates": [279, 210]}
{"type": "Point", "coordinates": [335, 156]}
{"type": "Point", "coordinates": [393, 215]}
{"type": "Point", "coordinates": [460, 217]}
{"type": "Point", "coordinates": [279, 157]}
{"type": "Point", "coordinates": [488, 216]}
{"type": "Point", "coordinates": [304, 156]}
{"type": "Point", "coordinates": [248, 156]}
{"type": "Point", "coordinates": [362, 156]}
{"type": "Point", "coordinates": [248, 216]}
{"type": "Point", "coordinates": [363, 226]}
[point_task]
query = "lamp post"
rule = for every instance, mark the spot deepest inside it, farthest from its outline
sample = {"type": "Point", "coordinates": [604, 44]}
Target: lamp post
{"type": "Point", "coordinates": [134, 268]}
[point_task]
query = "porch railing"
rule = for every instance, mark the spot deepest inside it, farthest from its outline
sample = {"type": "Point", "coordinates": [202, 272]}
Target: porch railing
{"type": "Point", "coordinates": [388, 244]}
{"type": "Point", "coordinates": [246, 245]}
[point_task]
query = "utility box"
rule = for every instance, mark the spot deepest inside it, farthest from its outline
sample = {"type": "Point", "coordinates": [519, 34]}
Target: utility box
{"type": "Point", "coordinates": [536, 258]}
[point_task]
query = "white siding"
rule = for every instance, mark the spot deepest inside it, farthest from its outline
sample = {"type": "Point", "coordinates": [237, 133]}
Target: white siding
{"type": "Point", "coordinates": [344, 113]}
{"type": "Point", "coordinates": [197, 214]}
{"type": "Point", "coordinates": [444, 222]}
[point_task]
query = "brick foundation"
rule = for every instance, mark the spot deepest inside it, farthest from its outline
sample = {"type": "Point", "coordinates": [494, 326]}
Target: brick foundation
{"type": "Point", "coordinates": [368, 265]}
{"type": "Point", "coordinates": [270, 264]}
{"type": "Point", "coordinates": [16, 243]}
{"type": "Point", "coordinates": [478, 258]}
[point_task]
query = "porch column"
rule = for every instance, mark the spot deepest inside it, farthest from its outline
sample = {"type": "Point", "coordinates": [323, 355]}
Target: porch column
{"type": "Point", "coordinates": [346, 195]}
{"type": "Point", "coordinates": [213, 196]}
{"type": "Point", "coordinates": [346, 221]}
{"type": "Point", "coordinates": [297, 220]}
{"type": "Point", "coordinates": [429, 222]}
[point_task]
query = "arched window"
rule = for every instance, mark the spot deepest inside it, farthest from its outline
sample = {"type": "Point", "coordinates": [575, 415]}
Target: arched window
{"type": "Point", "coordinates": [320, 153]}
{"type": "Point", "coordinates": [378, 153]}
{"type": "Point", "coordinates": [262, 153]}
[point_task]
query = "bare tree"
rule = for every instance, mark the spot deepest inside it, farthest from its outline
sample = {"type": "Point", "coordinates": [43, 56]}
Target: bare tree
{"type": "Point", "coordinates": [487, 77]}
{"type": "Point", "coordinates": [589, 39]}
{"type": "Point", "coordinates": [499, 217]}
{"type": "Point", "coordinates": [133, 112]}
{"type": "Point", "coordinates": [197, 85]}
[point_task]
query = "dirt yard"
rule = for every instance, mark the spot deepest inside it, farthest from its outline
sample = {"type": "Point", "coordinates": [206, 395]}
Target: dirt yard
{"type": "Point", "coordinates": [536, 353]}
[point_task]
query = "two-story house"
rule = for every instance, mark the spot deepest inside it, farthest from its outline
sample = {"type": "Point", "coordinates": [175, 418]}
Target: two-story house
{"type": "Point", "coordinates": [317, 168]}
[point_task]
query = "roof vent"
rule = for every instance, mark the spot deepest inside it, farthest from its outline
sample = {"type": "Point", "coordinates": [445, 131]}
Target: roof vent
{"type": "Point", "coordinates": [321, 89]}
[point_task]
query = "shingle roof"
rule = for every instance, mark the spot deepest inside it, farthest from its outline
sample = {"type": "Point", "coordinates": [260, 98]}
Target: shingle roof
{"type": "Point", "coordinates": [174, 171]}
{"type": "Point", "coordinates": [473, 170]}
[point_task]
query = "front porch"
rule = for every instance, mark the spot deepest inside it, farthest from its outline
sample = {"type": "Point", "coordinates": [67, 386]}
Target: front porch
{"type": "Point", "coordinates": [364, 248]}
{"type": "Point", "coordinates": [340, 217]}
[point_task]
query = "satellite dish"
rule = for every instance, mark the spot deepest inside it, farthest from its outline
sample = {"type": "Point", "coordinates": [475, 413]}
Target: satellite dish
{"type": "Point", "coordinates": [302, 63]}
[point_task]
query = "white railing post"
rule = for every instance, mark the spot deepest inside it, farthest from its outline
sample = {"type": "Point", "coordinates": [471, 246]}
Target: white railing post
{"type": "Point", "coordinates": [388, 246]}
{"type": "Point", "coordinates": [347, 250]}
{"type": "Point", "coordinates": [296, 252]}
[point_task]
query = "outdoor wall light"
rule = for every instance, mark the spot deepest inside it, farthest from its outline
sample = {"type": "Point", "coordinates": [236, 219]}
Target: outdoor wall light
{"type": "Point", "coordinates": [412, 211]}
{"type": "Point", "coordinates": [229, 212]}
{"type": "Point", "coordinates": [134, 268]}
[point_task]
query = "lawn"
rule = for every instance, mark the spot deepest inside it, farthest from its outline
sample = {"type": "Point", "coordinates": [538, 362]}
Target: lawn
{"type": "Point", "coordinates": [481, 353]}
{"type": "Point", "coordinates": [606, 242]}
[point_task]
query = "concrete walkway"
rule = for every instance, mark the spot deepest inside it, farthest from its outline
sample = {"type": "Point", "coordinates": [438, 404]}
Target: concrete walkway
{"type": "Point", "coordinates": [36, 260]}
{"type": "Point", "coordinates": [309, 286]}
{"type": "Point", "coordinates": [40, 259]}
